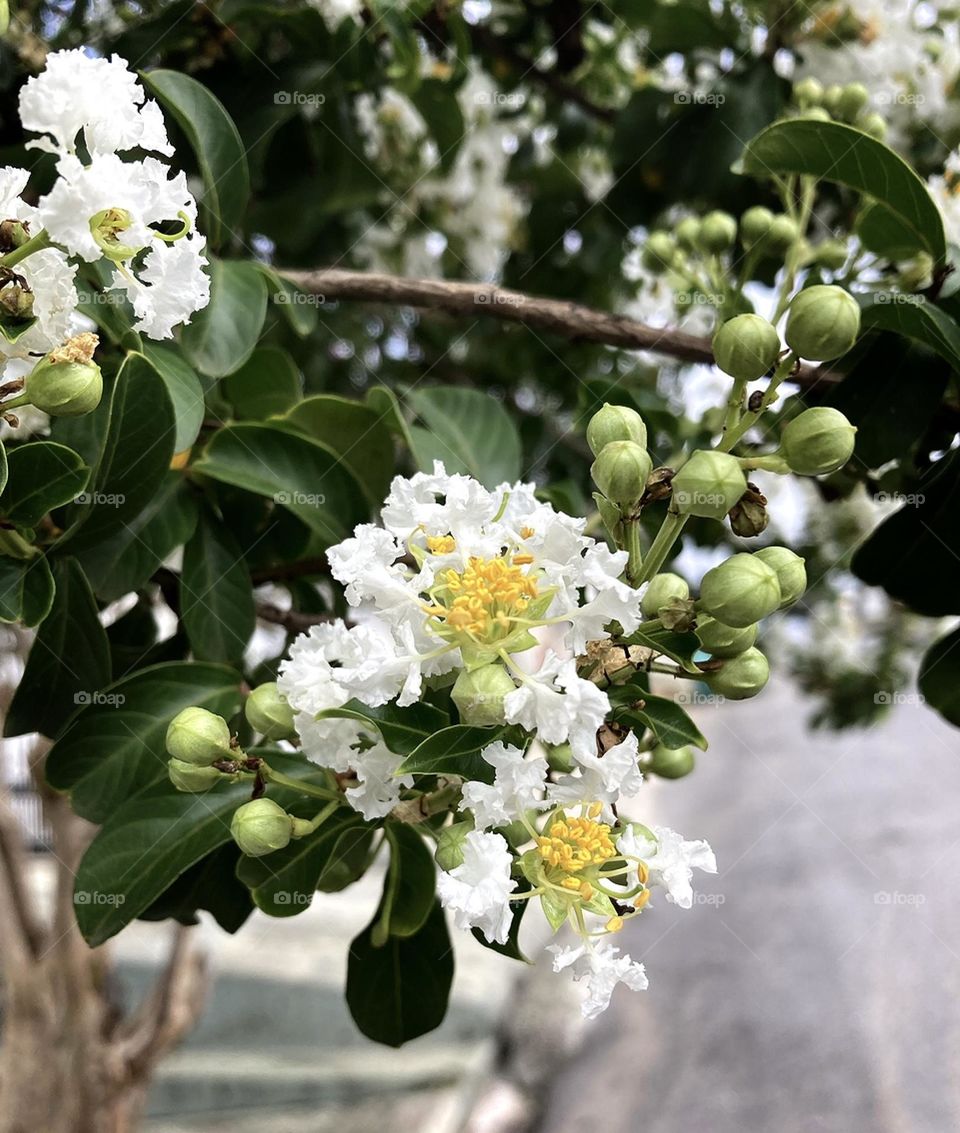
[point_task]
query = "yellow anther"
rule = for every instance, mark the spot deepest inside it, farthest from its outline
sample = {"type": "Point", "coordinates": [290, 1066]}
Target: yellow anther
{"type": "Point", "coordinates": [593, 811]}
{"type": "Point", "coordinates": [570, 883]}
{"type": "Point", "coordinates": [441, 544]}
{"type": "Point", "coordinates": [614, 924]}
{"type": "Point", "coordinates": [527, 532]}
{"type": "Point", "coordinates": [522, 560]}
{"type": "Point", "coordinates": [642, 899]}
{"type": "Point", "coordinates": [487, 596]}
{"type": "Point", "coordinates": [642, 872]}
{"type": "Point", "coordinates": [586, 890]}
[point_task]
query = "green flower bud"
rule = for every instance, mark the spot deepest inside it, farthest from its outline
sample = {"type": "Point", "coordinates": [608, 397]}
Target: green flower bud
{"type": "Point", "coordinates": [659, 251]}
{"type": "Point", "coordinates": [808, 92]}
{"type": "Point", "coordinates": [823, 322]}
{"type": "Point", "coordinates": [190, 777]}
{"type": "Point", "coordinates": [621, 471]}
{"type": "Point", "coordinates": [741, 677]}
{"type": "Point", "coordinates": [671, 763]}
{"type": "Point", "coordinates": [479, 694]}
{"type": "Point", "coordinates": [268, 713]}
{"type": "Point", "coordinates": [818, 441]}
{"type": "Point", "coordinates": [853, 98]}
{"type": "Point", "coordinates": [875, 126]}
{"type": "Point", "coordinates": [746, 347]}
{"type": "Point", "coordinates": [782, 234]}
{"type": "Point", "coordinates": [199, 737]}
{"type": "Point", "coordinates": [560, 758]}
{"type": "Point", "coordinates": [755, 224]}
{"type": "Point", "coordinates": [718, 231]}
{"type": "Point", "coordinates": [720, 640]}
{"type": "Point", "coordinates": [67, 382]}
{"type": "Point", "coordinates": [791, 573]}
{"type": "Point", "coordinates": [708, 484]}
{"type": "Point", "coordinates": [687, 233]}
{"type": "Point", "coordinates": [615, 423]}
{"type": "Point", "coordinates": [831, 97]}
{"type": "Point", "coordinates": [815, 114]}
{"type": "Point", "coordinates": [660, 591]}
{"type": "Point", "coordinates": [261, 827]}
{"type": "Point", "coordinates": [449, 852]}
{"type": "Point", "coordinates": [106, 227]}
{"type": "Point", "coordinates": [831, 254]}
{"type": "Point", "coordinates": [740, 591]}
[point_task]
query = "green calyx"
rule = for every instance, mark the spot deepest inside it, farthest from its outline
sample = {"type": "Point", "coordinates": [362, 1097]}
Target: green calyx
{"type": "Point", "coordinates": [67, 382]}
{"type": "Point", "coordinates": [671, 763]}
{"type": "Point", "coordinates": [615, 423]}
{"type": "Point", "coordinates": [198, 737]}
{"type": "Point", "coordinates": [708, 484]}
{"type": "Point", "coordinates": [268, 713]}
{"type": "Point", "coordinates": [261, 827]}
{"type": "Point", "coordinates": [740, 591]}
{"type": "Point", "coordinates": [746, 347]}
{"type": "Point", "coordinates": [718, 232]}
{"type": "Point", "coordinates": [450, 840]}
{"type": "Point", "coordinates": [823, 322]}
{"type": "Point", "coordinates": [661, 590]}
{"type": "Point", "coordinates": [741, 677]}
{"type": "Point", "coordinates": [790, 570]}
{"type": "Point", "coordinates": [724, 641]}
{"type": "Point", "coordinates": [479, 694]}
{"type": "Point", "coordinates": [195, 779]}
{"type": "Point", "coordinates": [818, 441]}
{"type": "Point", "coordinates": [621, 471]}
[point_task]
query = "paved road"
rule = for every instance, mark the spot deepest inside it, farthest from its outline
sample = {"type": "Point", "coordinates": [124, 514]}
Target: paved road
{"type": "Point", "coordinates": [823, 994]}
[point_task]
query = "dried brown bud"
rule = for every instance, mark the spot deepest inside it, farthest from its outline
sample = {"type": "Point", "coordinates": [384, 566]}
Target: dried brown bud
{"type": "Point", "coordinates": [749, 516]}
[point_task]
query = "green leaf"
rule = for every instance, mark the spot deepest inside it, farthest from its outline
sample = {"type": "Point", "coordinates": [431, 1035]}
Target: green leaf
{"type": "Point", "coordinates": [440, 109]}
{"type": "Point", "coordinates": [298, 307]}
{"type": "Point", "coordinates": [848, 156]}
{"type": "Point", "coordinates": [915, 318]}
{"type": "Point", "coordinates": [216, 594]}
{"type": "Point", "coordinates": [469, 431]}
{"type": "Point", "coordinates": [453, 751]}
{"type": "Point", "coordinates": [220, 153]}
{"type": "Point", "coordinates": [882, 231]}
{"type": "Point", "coordinates": [42, 475]}
{"type": "Point", "coordinates": [184, 388]}
{"type": "Point", "coordinates": [3, 467]}
{"type": "Point", "coordinates": [400, 990]}
{"type": "Point", "coordinates": [221, 337]}
{"type": "Point", "coordinates": [136, 455]}
{"type": "Point", "coordinates": [401, 729]}
{"type": "Point", "coordinates": [939, 680]}
{"type": "Point", "coordinates": [26, 590]}
{"type": "Point", "coordinates": [670, 723]}
{"type": "Point", "coordinates": [69, 660]}
{"type": "Point", "coordinates": [114, 746]}
{"type": "Point", "coordinates": [211, 885]}
{"type": "Point", "coordinates": [355, 432]}
{"type": "Point", "coordinates": [409, 888]}
{"type": "Point", "coordinates": [299, 474]}
{"type": "Point", "coordinates": [268, 382]}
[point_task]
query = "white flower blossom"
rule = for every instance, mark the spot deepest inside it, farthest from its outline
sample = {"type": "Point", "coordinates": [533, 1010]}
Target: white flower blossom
{"type": "Point", "coordinates": [600, 967]}
{"type": "Point", "coordinates": [670, 860]}
{"type": "Point", "coordinates": [559, 706]}
{"type": "Point", "coordinates": [170, 287]}
{"type": "Point", "coordinates": [517, 786]}
{"type": "Point", "coordinates": [478, 891]}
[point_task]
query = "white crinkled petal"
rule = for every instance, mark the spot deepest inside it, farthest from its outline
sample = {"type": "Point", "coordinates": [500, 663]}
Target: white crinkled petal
{"type": "Point", "coordinates": [171, 286]}
{"type": "Point", "coordinates": [378, 787]}
{"type": "Point", "coordinates": [478, 891]}
{"type": "Point", "coordinates": [518, 785]}
{"type": "Point", "coordinates": [559, 706]}
{"type": "Point", "coordinates": [601, 968]}
{"type": "Point", "coordinates": [618, 769]}
{"type": "Point", "coordinates": [671, 860]}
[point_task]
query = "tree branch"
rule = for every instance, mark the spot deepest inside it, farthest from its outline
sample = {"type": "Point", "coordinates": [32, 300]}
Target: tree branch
{"type": "Point", "coordinates": [292, 620]}
{"type": "Point", "coordinates": [555, 316]}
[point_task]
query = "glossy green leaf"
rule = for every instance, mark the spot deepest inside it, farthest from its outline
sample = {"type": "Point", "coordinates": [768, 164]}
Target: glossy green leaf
{"type": "Point", "coordinates": [42, 475]}
{"type": "Point", "coordinates": [184, 388]}
{"type": "Point", "coordinates": [670, 722]}
{"type": "Point", "coordinates": [915, 318]}
{"type": "Point", "coordinates": [26, 589]}
{"type": "Point", "coordinates": [221, 337]}
{"type": "Point", "coordinates": [882, 231]}
{"type": "Point", "coordinates": [216, 594]}
{"type": "Point", "coordinates": [469, 431]}
{"type": "Point", "coordinates": [219, 150]}
{"type": "Point", "coordinates": [69, 659]}
{"type": "Point", "coordinates": [939, 679]}
{"type": "Point", "coordinates": [296, 306]}
{"type": "Point", "coordinates": [453, 751]}
{"type": "Point", "coordinates": [209, 885]}
{"type": "Point", "coordinates": [401, 729]}
{"type": "Point", "coordinates": [409, 887]}
{"type": "Point", "coordinates": [268, 382]}
{"type": "Point", "coordinates": [843, 154]}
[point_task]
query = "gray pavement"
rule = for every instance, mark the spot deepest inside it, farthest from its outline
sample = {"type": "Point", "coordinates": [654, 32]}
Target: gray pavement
{"type": "Point", "coordinates": [816, 986]}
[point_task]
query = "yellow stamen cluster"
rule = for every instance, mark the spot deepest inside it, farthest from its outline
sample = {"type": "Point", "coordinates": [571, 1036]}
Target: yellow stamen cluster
{"type": "Point", "coordinates": [574, 844]}
{"type": "Point", "coordinates": [487, 596]}
{"type": "Point", "coordinates": [441, 544]}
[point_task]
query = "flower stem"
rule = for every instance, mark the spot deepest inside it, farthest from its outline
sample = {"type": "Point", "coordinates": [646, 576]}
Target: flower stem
{"type": "Point", "coordinates": [748, 420]}
{"type": "Point", "coordinates": [303, 826]}
{"type": "Point", "coordinates": [281, 780]}
{"type": "Point", "coordinates": [34, 244]}
{"type": "Point", "coordinates": [668, 534]}
{"type": "Point", "coordinates": [631, 539]}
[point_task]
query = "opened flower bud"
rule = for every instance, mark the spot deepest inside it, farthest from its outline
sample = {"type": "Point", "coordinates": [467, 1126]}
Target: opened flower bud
{"type": "Point", "coordinates": [746, 347]}
{"type": "Point", "coordinates": [708, 484]}
{"type": "Point", "coordinates": [818, 441]}
{"type": "Point", "coordinates": [479, 694]}
{"type": "Point", "coordinates": [718, 231]}
{"type": "Point", "coordinates": [450, 844]}
{"type": "Point", "coordinates": [671, 763]}
{"type": "Point", "coordinates": [823, 322]}
{"type": "Point", "coordinates": [191, 777]}
{"type": "Point", "coordinates": [199, 737]}
{"type": "Point", "coordinates": [755, 224]}
{"type": "Point", "coordinates": [741, 677]}
{"type": "Point", "coordinates": [67, 382]}
{"type": "Point", "coordinates": [740, 591]}
{"type": "Point", "coordinates": [268, 713]}
{"type": "Point", "coordinates": [750, 517]}
{"type": "Point", "coordinates": [720, 640]}
{"type": "Point", "coordinates": [791, 573]}
{"type": "Point", "coordinates": [660, 592]}
{"type": "Point", "coordinates": [659, 251]}
{"type": "Point", "coordinates": [615, 423]}
{"type": "Point", "coordinates": [261, 827]}
{"type": "Point", "coordinates": [621, 471]}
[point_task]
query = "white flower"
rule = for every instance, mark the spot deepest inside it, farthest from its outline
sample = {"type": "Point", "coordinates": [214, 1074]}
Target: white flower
{"type": "Point", "coordinates": [517, 786]}
{"type": "Point", "coordinates": [670, 860]}
{"type": "Point", "coordinates": [101, 97]}
{"type": "Point", "coordinates": [601, 967]}
{"type": "Point", "coordinates": [378, 787]}
{"type": "Point", "coordinates": [334, 12]}
{"type": "Point", "coordinates": [478, 891]}
{"type": "Point", "coordinates": [170, 287]}
{"type": "Point", "coordinates": [559, 706]}
{"type": "Point", "coordinates": [615, 772]}
{"type": "Point", "coordinates": [50, 276]}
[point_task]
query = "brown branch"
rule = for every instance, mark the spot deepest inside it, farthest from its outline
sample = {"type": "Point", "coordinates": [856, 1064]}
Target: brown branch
{"type": "Point", "coordinates": [555, 316]}
{"type": "Point", "coordinates": [292, 620]}
{"type": "Point", "coordinates": [283, 571]}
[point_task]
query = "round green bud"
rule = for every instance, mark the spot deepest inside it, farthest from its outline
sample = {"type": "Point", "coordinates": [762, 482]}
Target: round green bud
{"type": "Point", "coordinates": [687, 233]}
{"type": "Point", "coordinates": [718, 232]}
{"type": "Point", "coordinates": [479, 694]}
{"type": "Point", "coordinates": [874, 125]}
{"type": "Point", "coordinates": [831, 97]}
{"type": "Point", "coordinates": [791, 573]}
{"type": "Point", "coordinates": [199, 737]}
{"type": "Point", "coordinates": [823, 322]}
{"type": "Point", "coordinates": [708, 484]}
{"type": "Point", "coordinates": [818, 441]}
{"type": "Point", "coordinates": [261, 827]}
{"type": "Point", "coordinates": [661, 590]}
{"type": "Point", "coordinates": [853, 98]}
{"type": "Point", "coordinates": [659, 252]}
{"type": "Point", "coordinates": [720, 640]}
{"type": "Point", "coordinates": [746, 347]}
{"type": "Point", "coordinates": [782, 234]}
{"type": "Point", "coordinates": [63, 385]}
{"type": "Point", "coordinates": [671, 763]}
{"type": "Point", "coordinates": [621, 471]}
{"type": "Point", "coordinates": [831, 254]}
{"type": "Point", "coordinates": [615, 423]}
{"type": "Point", "coordinates": [741, 677]}
{"type": "Point", "coordinates": [450, 840]}
{"type": "Point", "coordinates": [815, 114]}
{"type": "Point", "coordinates": [808, 92]}
{"type": "Point", "coordinates": [190, 777]}
{"type": "Point", "coordinates": [268, 713]}
{"type": "Point", "coordinates": [740, 591]}
{"type": "Point", "coordinates": [755, 224]}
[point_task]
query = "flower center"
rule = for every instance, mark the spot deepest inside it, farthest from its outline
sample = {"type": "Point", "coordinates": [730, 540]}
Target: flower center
{"type": "Point", "coordinates": [484, 600]}
{"type": "Point", "coordinates": [572, 845]}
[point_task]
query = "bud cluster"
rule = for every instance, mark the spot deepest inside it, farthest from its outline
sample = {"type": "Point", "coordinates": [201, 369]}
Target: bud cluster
{"type": "Point", "coordinates": [848, 103]}
{"type": "Point", "coordinates": [617, 437]}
